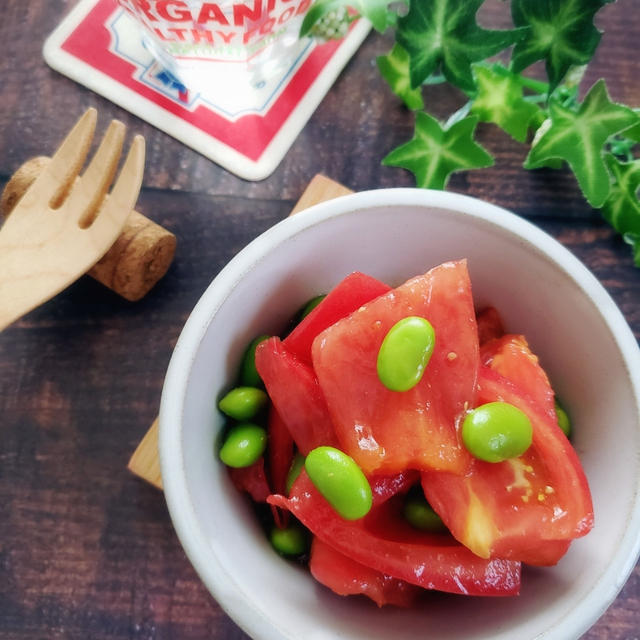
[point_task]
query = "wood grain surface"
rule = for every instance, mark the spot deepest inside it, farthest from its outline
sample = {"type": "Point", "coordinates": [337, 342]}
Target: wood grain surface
{"type": "Point", "coordinates": [87, 549]}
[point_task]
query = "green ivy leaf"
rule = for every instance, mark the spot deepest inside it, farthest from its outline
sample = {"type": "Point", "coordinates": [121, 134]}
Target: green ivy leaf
{"type": "Point", "coordinates": [633, 239]}
{"type": "Point", "coordinates": [622, 208]}
{"type": "Point", "coordinates": [500, 100]}
{"type": "Point", "coordinates": [578, 136]}
{"type": "Point", "coordinates": [394, 68]}
{"type": "Point", "coordinates": [376, 11]}
{"type": "Point", "coordinates": [561, 33]}
{"type": "Point", "coordinates": [444, 33]}
{"type": "Point", "coordinates": [621, 147]}
{"type": "Point", "coordinates": [435, 152]}
{"type": "Point", "coordinates": [633, 133]}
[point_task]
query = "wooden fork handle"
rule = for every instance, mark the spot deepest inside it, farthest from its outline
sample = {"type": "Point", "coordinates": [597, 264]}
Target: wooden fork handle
{"type": "Point", "coordinates": [138, 259]}
{"type": "Point", "coordinates": [145, 462]}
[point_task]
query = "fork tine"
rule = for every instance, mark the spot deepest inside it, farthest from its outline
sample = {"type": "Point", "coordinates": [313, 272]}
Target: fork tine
{"type": "Point", "coordinates": [53, 183]}
{"type": "Point", "coordinates": [127, 187]}
{"type": "Point", "coordinates": [88, 192]}
{"type": "Point", "coordinates": [119, 203]}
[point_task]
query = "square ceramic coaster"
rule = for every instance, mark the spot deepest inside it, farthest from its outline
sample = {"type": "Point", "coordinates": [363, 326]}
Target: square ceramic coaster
{"type": "Point", "coordinates": [98, 45]}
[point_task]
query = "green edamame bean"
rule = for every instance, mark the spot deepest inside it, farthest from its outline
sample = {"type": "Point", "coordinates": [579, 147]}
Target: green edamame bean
{"type": "Point", "coordinates": [290, 541]}
{"type": "Point", "coordinates": [405, 352]}
{"type": "Point", "coordinates": [243, 403]}
{"type": "Point", "coordinates": [311, 305]}
{"type": "Point", "coordinates": [419, 514]}
{"type": "Point", "coordinates": [563, 420]}
{"type": "Point", "coordinates": [249, 376]}
{"type": "Point", "coordinates": [496, 431]}
{"type": "Point", "coordinates": [244, 444]}
{"type": "Point", "coordinates": [340, 480]}
{"type": "Point", "coordinates": [294, 471]}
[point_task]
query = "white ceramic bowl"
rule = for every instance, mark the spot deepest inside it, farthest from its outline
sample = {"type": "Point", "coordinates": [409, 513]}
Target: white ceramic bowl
{"type": "Point", "coordinates": [540, 289]}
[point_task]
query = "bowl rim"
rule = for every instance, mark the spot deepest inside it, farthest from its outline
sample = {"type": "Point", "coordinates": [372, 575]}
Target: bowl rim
{"type": "Point", "coordinates": [180, 506]}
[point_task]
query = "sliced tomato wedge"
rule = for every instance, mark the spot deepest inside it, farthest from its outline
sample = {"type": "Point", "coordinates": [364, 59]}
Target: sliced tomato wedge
{"type": "Point", "coordinates": [387, 431]}
{"type": "Point", "coordinates": [528, 508]}
{"type": "Point", "coordinates": [511, 356]}
{"type": "Point", "coordinates": [385, 487]}
{"type": "Point", "coordinates": [489, 324]}
{"type": "Point", "coordinates": [346, 577]}
{"type": "Point", "coordinates": [347, 296]}
{"type": "Point", "coordinates": [384, 542]}
{"type": "Point", "coordinates": [251, 480]}
{"type": "Point", "coordinates": [296, 395]}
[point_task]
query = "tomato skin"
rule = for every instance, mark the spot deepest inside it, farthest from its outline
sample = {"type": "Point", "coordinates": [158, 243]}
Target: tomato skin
{"type": "Point", "coordinates": [528, 509]}
{"type": "Point", "coordinates": [296, 395]}
{"type": "Point", "coordinates": [385, 543]}
{"type": "Point", "coordinates": [280, 451]}
{"type": "Point", "coordinates": [347, 296]}
{"type": "Point", "coordinates": [345, 576]}
{"type": "Point", "coordinates": [387, 431]}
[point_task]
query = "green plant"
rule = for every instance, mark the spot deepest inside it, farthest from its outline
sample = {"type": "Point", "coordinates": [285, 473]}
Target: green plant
{"type": "Point", "coordinates": [440, 41]}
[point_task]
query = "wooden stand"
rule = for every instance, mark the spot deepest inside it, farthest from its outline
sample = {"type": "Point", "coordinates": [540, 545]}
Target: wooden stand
{"type": "Point", "coordinates": [144, 462]}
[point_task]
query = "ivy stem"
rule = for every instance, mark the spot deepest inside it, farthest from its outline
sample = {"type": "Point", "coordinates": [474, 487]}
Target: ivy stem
{"type": "Point", "coordinates": [461, 113]}
{"type": "Point", "coordinates": [535, 99]}
{"type": "Point", "coordinates": [535, 85]}
{"type": "Point", "coordinates": [436, 78]}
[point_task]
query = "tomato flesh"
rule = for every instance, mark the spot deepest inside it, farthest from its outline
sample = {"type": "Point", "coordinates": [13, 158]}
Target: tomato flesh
{"type": "Point", "coordinates": [511, 356]}
{"type": "Point", "coordinates": [385, 487]}
{"type": "Point", "coordinates": [387, 431]}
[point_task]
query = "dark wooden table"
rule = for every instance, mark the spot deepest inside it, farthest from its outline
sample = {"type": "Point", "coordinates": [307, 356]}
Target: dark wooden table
{"type": "Point", "coordinates": [86, 549]}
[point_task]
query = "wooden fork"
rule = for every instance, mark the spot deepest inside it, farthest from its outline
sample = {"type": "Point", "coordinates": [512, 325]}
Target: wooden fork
{"type": "Point", "coordinates": [64, 224]}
